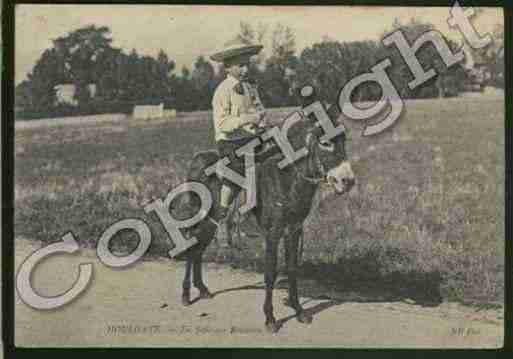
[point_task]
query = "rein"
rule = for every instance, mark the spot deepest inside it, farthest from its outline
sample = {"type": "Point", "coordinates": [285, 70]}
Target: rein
{"type": "Point", "coordinates": [320, 169]}
{"type": "Point", "coordinates": [314, 180]}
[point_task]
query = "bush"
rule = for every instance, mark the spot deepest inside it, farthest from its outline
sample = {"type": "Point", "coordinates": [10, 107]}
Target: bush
{"type": "Point", "coordinates": [96, 107]}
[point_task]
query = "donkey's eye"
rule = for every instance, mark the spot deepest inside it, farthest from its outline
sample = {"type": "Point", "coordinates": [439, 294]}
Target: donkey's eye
{"type": "Point", "coordinates": [327, 146]}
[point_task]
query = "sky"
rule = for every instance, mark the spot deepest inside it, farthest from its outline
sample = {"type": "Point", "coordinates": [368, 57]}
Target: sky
{"type": "Point", "coordinates": [186, 32]}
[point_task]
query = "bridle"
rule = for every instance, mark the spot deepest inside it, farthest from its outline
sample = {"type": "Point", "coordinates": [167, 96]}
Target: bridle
{"type": "Point", "coordinates": [315, 180]}
{"type": "Point", "coordinates": [319, 169]}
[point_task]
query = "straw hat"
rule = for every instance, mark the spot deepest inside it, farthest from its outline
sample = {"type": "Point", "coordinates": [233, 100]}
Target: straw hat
{"type": "Point", "coordinates": [236, 53]}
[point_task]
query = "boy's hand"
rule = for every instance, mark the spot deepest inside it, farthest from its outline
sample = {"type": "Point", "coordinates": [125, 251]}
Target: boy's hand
{"type": "Point", "coordinates": [255, 118]}
{"type": "Point", "coordinates": [260, 118]}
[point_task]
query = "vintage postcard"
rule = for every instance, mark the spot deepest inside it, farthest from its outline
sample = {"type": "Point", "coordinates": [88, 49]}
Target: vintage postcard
{"type": "Point", "coordinates": [259, 176]}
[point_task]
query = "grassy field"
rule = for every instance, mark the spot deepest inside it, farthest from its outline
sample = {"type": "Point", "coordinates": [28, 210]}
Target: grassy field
{"type": "Point", "coordinates": [426, 215]}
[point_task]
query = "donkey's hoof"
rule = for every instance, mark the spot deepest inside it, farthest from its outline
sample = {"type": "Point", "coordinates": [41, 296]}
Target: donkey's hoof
{"type": "Point", "coordinates": [304, 318]}
{"type": "Point", "coordinates": [287, 302]}
{"type": "Point", "coordinates": [272, 326]}
{"type": "Point", "coordinates": [205, 294]}
{"type": "Point", "coordinates": [186, 297]}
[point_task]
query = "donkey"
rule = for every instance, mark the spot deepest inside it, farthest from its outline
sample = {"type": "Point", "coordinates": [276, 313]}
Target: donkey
{"type": "Point", "coordinates": [284, 199]}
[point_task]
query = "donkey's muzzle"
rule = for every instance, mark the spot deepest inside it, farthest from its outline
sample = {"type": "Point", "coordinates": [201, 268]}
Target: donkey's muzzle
{"type": "Point", "coordinates": [341, 186]}
{"type": "Point", "coordinates": [346, 186]}
{"type": "Point", "coordinates": [341, 178]}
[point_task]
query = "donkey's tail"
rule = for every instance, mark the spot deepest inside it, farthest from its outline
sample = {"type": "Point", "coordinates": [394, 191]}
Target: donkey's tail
{"type": "Point", "coordinates": [200, 161]}
{"type": "Point", "coordinates": [300, 251]}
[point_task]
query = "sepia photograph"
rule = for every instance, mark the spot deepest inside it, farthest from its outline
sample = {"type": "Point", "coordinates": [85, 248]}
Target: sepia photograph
{"type": "Point", "coordinates": [259, 176]}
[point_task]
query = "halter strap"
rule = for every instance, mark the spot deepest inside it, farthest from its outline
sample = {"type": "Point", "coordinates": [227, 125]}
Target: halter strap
{"type": "Point", "coordinates": [315, 180]}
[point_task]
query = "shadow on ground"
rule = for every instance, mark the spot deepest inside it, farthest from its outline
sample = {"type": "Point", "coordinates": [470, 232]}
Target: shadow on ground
{"type": "Point", "coordinates": [413, 288]}
{"type": "Point", "coordinates": [355, 279]}
{"type": "Point", "coordinates": [334, 284]}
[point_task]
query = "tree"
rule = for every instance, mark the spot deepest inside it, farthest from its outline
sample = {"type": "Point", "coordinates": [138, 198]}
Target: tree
{"type": "Point", "coordinates": [186, 95]}
{"type": "Point", "coordinates": [280, 68]}
{"type": "Point", "coordinates": [249, 35]}
{"type": "Point", "coordinates": [40, 86]}
{"type": "Point", "coordinates": [108, 79]}
{"type": "Point", "coordinates": [204, 82]}
{"type": "Point", "coordinates": [274, 67]}
{"type": "Point", "coordinates": [23, 96]}
{"type": "Point", "coordinates": [84, 57]}
{"type": "Point", "coordinates": [496, 56]}
{"type": "Point", "coordinates": [449, 80]}
{"type": "Point", "coordinates": [163, 78]}
{"type": "Point", "coordinates": [129, 77]}
{"type": "Point", "coordinates": [329, 65]}
{"type": "Point", "coordinates": [79, 52]}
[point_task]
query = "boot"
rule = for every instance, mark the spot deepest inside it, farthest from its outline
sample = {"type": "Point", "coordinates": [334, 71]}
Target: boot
{"type": "Point", "coordinates": [223, 233]}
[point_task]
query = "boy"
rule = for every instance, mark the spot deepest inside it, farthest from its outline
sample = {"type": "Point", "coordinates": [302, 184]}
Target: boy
{"type": "Point", "coordinates": [237, 113]}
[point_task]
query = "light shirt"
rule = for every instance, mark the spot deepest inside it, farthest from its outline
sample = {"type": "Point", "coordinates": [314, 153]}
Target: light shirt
{"type": "Point", "coordinates": [233, 111]}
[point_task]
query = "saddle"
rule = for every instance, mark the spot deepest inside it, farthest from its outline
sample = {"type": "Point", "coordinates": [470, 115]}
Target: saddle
{"type": "Point", "coordinates": [240, 225]}
{"type": "Point", "coordinates": [263, 152]}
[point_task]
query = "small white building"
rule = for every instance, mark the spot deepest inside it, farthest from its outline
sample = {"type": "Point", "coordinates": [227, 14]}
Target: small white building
{"type": "Point", "coordinates": [65, 93]}
{"type": "Point", "coordinates": [145, 112]}
{"type": "Point", "coordinates": [170, 113]}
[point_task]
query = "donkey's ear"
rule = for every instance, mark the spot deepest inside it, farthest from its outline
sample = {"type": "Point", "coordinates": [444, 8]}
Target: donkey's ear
{"type": "Point", "coordinates": [308, 138]}
{"type": "Point", "coordinates": [316, 131]}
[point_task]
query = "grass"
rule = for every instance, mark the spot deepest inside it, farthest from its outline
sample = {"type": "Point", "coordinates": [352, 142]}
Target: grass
{"type": "Point", "coordinates": [427, 210]}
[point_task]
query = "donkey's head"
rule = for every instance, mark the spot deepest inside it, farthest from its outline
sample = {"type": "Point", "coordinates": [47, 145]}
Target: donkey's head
{"type": "Point", "coordinates": [327, 160]}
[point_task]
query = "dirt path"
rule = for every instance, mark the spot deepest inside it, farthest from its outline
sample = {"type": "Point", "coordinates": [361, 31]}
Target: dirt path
{"type": "Point", "coordinates": [142, 303]}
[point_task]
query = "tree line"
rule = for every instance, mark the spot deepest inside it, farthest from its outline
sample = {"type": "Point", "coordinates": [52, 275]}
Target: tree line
{"type": "Point", "coordinates": [86, 56]}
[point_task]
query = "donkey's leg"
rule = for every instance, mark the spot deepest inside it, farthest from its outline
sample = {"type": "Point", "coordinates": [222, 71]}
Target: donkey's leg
{"type": "Point", "coordinates": [291, 254]}
{"type": "Point", "coordinates": [271, 263]}
{"type": "Point", "coordinates": [291, 263]}
{"type": "Point", "coordinates": [186, 285]}
{"type": "Point", "coordinates": [204, 293]}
